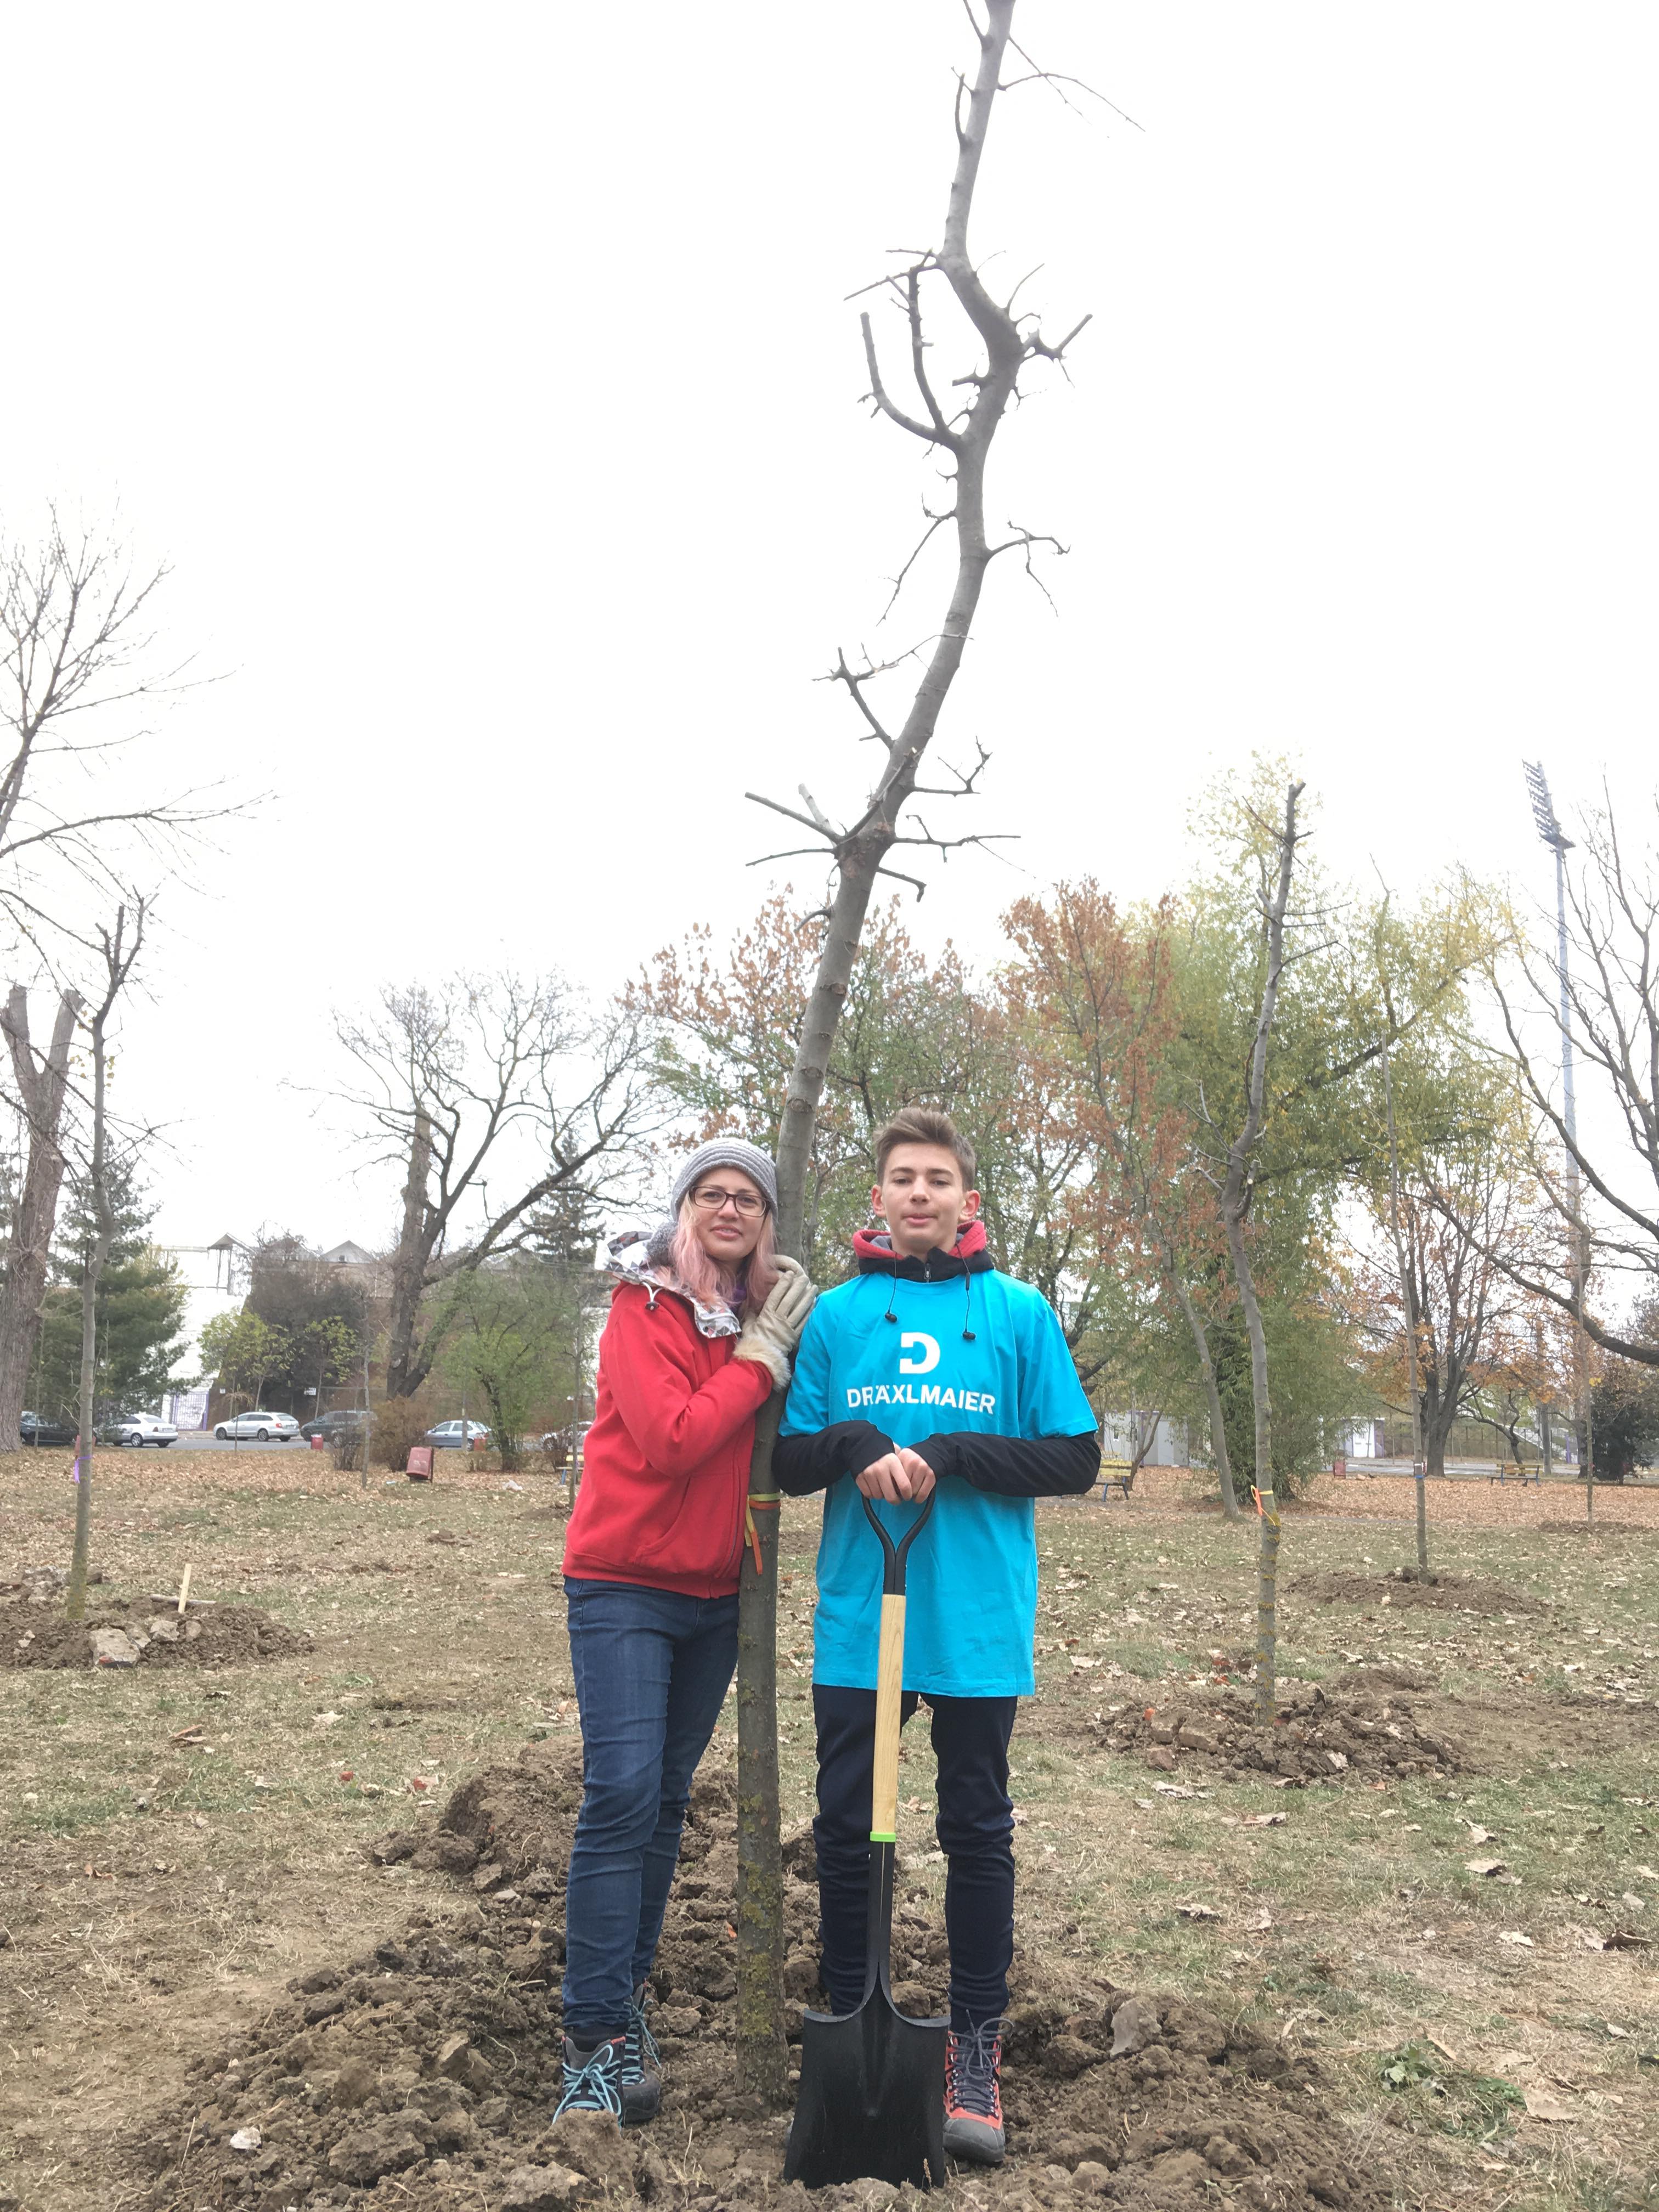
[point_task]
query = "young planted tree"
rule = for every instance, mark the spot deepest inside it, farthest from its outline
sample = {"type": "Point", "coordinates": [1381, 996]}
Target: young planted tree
{"type": "Point", "coordinates": [42, 1089]}
{"type": "Point", "coordinates": [860, 852]}
{"type": "Point", "coordinates": [1235, 1193]}
{"type": "Point", "coordinates": [120, 947]}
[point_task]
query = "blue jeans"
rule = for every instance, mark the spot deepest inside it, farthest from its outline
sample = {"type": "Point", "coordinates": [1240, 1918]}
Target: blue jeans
{"type": "Point", "coordinates": [652, 1671]}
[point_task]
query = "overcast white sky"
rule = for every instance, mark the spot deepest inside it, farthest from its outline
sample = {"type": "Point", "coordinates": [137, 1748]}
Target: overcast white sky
{"type": "Point", "coordinates": [487, 377]}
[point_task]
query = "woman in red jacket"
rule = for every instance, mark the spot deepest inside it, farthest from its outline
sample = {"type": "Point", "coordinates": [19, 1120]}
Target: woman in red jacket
{"type": "Point", "coordinates": [701, 1332]}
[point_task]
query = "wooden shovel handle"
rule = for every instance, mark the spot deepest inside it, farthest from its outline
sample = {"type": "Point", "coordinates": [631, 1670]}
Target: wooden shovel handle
{"type": "Point", "coordinates": [890, 1694]}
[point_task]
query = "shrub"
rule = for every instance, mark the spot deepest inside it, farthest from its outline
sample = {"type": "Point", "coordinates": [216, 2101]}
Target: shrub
{"type": "Point", "coordinates": [399, 1423]}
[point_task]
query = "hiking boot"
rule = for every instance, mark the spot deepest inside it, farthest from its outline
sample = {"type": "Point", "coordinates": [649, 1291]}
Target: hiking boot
{"type": "Point", "coordinates": [593, 2079]}
{"type": "Point", "coordinates": [642, 2066]}
{"type": "Point", "coordinates": [973, 2094]}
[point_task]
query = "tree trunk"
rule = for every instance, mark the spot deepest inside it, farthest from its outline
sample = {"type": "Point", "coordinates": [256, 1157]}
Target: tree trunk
{"type": "Point", "coordinates": [1407, 1291]}
{"type": "Point", "coordinates": [409, 1267]}
{"type": "Point", "coordinates": [1436, 1434]}
{"type": "Point", "coordinates": [1235, 1205]}
{"type": "Point", "coordinates": [1212, 1397]}
{"type": "Point", "coordinates": [1145, 1438]}
{"type": "Point", "coordinates": [859, 854]}
{"type": "Point", "coordinates": [97, 1256]}
{"type": "Point", "coordinates": [762, 2055]}
{"type": "Point", "coordinates": [40, 1087]}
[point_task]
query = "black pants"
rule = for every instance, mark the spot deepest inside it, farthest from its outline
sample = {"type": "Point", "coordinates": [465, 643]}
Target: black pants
{"type": "Point", "coordinates": [975, 1831]}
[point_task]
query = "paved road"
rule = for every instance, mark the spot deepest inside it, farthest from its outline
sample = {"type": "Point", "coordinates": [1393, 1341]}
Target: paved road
{"type": "Point", "coordinates": [204, 1440]}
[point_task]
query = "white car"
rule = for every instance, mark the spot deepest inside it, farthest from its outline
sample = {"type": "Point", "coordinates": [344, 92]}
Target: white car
{"type": "Point", "coordinates": [257, 1428]}
{"type": "Point", "coordinates": [136, 1430]}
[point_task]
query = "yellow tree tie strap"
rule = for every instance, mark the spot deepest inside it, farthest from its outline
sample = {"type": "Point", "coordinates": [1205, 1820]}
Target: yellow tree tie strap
{"type": "Point", "coordinates": [768, 1503]}
{"type": "Point", "coordinates": [1272, 1519]}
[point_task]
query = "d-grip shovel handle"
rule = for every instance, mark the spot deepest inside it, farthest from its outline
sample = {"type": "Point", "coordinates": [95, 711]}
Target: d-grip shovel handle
{"type": "Point", "coordinates": [889, 1672]}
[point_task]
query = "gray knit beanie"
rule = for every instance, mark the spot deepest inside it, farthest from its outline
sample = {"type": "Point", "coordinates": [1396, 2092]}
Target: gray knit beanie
{"type": "Point", "coordinates": [727, 1152]}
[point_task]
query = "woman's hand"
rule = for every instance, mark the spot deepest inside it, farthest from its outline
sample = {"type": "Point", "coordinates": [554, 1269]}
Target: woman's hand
{"type": "Point", "coordinates": [771, 1336]}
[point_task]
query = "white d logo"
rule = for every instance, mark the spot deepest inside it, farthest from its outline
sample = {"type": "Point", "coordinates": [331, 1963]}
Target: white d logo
{"type": "Point", "coordinates": [929, 1358]}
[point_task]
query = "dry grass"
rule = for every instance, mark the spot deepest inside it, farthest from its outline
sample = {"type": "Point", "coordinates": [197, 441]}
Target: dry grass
{"type": "Point", "coordinates": [156, 1895]}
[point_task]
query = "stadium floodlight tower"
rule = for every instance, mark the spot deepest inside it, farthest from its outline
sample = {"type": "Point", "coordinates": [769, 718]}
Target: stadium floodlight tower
{"type": "Point", "coordinates": [1552, 832]}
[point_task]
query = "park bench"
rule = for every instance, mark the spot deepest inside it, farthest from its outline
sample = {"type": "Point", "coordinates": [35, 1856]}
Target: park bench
{"type": "Point", "coordinates": [1116, 1474]}
{"type": "Point", "coordinates": [1509, 1470]}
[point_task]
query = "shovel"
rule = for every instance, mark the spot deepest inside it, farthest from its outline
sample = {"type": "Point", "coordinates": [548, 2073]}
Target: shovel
{"type": "Point", "coordinates": [871, 2099]}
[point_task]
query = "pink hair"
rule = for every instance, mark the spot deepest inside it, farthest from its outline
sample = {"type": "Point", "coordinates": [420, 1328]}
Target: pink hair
{"type": "Point", "coordinates": [713, 1285]}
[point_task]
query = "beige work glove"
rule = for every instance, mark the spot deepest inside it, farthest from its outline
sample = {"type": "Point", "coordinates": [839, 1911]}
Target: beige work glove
{"type": "Point", "coordinates": [771, 1335]}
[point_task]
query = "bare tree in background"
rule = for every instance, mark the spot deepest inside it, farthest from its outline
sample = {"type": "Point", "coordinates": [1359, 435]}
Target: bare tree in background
{"type": "Point", "coordinates": [498, 1077]}
{"type": "Point", "coordinates": [78, 668]}
{"type": "Point", "coordinates": [41, 1079]}
{"type": "Point", "coordinates": [859, 854]}
{"type": "Point", "coordinates": [1236, 1193]}
{"type": "Point", "coordinates": [120, 949]}
{"type": "Point", "coordinates": [1611, 999]}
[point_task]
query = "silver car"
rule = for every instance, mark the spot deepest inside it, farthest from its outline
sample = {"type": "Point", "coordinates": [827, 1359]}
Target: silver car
{"type": "Point", "coordinates": [257, 1428]}
{"type": "Point", "coordinates": [136, 1430]}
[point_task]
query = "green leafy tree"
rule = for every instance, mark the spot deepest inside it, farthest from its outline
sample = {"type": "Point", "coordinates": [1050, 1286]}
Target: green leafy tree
{"type": "Point", "coordinates": [320, 1310]}
{"type": "Point", "coordinates": [139, 1309]}
{"type": "Point", "coordinates": [512, 1344]}
{"type": "Point", "coordinates": [245, 1351]}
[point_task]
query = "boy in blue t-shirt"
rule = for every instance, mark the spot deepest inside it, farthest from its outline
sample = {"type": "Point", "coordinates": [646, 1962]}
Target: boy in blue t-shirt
{"type": "Point", "coordinates": [932, 1365]}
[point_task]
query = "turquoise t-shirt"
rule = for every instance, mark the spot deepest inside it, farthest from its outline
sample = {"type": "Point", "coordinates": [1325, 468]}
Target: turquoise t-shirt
{"type": "Point", "coordinates": [972, 1574]}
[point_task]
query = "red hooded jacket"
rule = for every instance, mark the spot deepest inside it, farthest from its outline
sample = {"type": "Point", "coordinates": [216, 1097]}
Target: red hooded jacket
{"type": "Point", "coordinates": [665, 1466]}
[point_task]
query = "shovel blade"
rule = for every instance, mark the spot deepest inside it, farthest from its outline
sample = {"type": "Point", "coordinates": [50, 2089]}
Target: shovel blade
{"type": "Point", "coordinates": [871, 2101]}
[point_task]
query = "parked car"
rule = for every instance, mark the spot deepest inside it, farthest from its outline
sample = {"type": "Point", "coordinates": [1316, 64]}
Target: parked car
{"type": "Point", "coordinates": [136, 1430]}
{"type": "Point", "coordinates": [329, 1425]}
{"type": "Point", "coordinates": [42, 1429]}
{"type": "Point", "coordinates": [259, 1428]}
{"type": "Point", "coordinates": [446, 1435]}
{"type": "Point", "coordinates": [557, 1443]}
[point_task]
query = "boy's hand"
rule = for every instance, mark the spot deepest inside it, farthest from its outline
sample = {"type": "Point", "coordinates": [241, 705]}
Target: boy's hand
{"type": "Point", "coordinates": [899, 1477]}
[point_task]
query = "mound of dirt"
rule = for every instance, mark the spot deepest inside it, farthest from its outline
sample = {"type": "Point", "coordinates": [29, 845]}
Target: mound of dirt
{"type": "Point", "coordinates": [1406, 1587]}
{"type": "Point", "coordinates": [152, 1634]}
{"type": "Point", "coordinates": [1317, 1736]}
{"type": "Point", "coordinates": [434, 2060]}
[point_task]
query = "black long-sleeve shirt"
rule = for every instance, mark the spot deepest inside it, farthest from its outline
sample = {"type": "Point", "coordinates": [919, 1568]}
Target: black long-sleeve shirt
{"type": "Point", "coordinates": [1006, 1467]}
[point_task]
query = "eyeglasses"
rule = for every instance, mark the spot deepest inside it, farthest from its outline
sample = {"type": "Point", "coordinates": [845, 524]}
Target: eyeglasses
{"type": "Point", "coordinates": [710, 1197]}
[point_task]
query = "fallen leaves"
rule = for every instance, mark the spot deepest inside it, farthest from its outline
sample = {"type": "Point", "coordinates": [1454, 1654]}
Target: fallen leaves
{"type": "Point", "coordinates": [1545, 2105]}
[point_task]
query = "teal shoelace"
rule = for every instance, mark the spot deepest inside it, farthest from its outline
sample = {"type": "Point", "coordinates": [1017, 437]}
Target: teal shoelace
{"type": "Point", "coordinates": [593, 2086]}
{"type": "Point", "coordinates": [641, 2045]}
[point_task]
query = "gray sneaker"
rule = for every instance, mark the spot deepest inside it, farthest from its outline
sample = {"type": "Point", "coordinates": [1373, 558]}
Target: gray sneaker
{"type": "Point", "coordinates": [642, 2066]}
{"type": "Point", "coordinates": [593, 2079]}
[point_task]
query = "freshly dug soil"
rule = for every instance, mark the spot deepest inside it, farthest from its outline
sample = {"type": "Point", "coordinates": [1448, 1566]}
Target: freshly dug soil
{"type": "Point", "coordinates": [1318, 1736]}
{"type": "Point", "coordinates": [1451, 1593]}
{"type": "Point", "coordinates": [435, 2059]}
{"type": "Point", "coordinates": [33, 1635]}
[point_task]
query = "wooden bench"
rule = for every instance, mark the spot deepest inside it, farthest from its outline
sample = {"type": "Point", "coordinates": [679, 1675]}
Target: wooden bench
{"type": "Point", "coordinates": [1509, 1470]}
{"type": "Point", "coordinates": [1116, 1474]}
